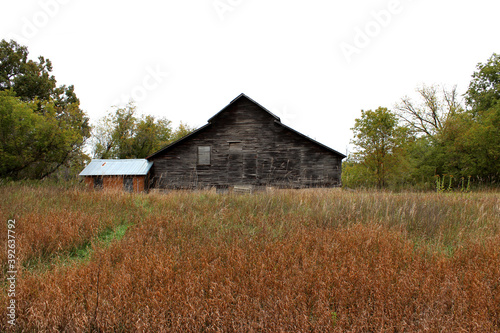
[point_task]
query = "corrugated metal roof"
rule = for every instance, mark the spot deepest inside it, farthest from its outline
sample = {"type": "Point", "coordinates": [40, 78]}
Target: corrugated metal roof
{"type": "Point", "coordinates": [136, 167]}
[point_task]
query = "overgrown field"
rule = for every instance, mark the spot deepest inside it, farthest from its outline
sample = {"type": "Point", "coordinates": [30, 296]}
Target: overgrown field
{"type": "Point", "coordinates": [312, 260]}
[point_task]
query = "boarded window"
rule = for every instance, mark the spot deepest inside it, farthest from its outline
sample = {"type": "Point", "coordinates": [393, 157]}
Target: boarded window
{"type": "Point", "coordinates": [204, 155]}
{"type": "Point", "coordinates": [98, 183]}
{"type": "Point", "coordinates": [235, 147]}
{"type": "Point", "coordinates": [128, 184]}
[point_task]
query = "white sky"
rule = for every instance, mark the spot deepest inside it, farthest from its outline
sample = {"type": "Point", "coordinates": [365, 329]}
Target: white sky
{"type": "Point", "coordinates": [316, 64]}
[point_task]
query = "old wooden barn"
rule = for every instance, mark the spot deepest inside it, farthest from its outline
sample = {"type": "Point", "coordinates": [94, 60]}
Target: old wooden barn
{"type": "Point", "coordinates": [245, 146]}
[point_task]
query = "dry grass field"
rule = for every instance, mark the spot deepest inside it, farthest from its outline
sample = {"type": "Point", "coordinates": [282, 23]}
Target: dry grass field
{"type": "Point", "coordinates": [294, 261]}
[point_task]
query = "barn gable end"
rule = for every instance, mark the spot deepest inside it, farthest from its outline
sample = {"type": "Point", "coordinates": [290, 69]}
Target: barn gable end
{"type": "Point", "coordinates": [245, 144]}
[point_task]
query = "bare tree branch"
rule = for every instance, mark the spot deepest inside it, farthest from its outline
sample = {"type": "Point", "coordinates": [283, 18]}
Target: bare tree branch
{"type": "Point", "coordinates": [429, 116]}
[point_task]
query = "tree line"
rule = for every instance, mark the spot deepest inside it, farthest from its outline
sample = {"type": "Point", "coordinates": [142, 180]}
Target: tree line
{"type": "Point", "coordinates": [438, 137]}
{"type": "Point", "coordinates": [45, 133]}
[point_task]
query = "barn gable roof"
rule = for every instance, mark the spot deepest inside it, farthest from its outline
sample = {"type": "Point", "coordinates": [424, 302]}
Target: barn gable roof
{"type": "Point", "coordinates": [310, 139]}
{"type": "Point", "coordinates": [126, 167]}
{"type": "Point", "coordinates": [243, 96]}
{"type": "Point", "coordinates": [239, 97]}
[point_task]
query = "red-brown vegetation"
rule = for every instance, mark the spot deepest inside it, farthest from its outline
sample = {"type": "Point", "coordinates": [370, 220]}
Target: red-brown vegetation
{"type": "Point", "coordinates": [288, 261]}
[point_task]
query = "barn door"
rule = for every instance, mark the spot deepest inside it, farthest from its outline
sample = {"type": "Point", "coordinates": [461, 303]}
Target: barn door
{"type": "Point", "coordinates": [241, 164]}
{"type": "Point", "coordinates": [250, 166]}
{"type": "Point", "coordinates": [234, 168]}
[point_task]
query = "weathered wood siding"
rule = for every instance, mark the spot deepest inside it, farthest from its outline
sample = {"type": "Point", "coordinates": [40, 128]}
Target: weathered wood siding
{"type": "Point", "coordinates": [247, 147]}
{"type": "Point", "coordinates": [116, 183]}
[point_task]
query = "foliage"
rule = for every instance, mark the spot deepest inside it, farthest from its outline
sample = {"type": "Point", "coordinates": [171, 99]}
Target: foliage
{"type": "Point", "coordinates": [181, 131]}
{"type": "Point", "coordinates": [43, 127]}
{"type": "Point", "coordinates": [312, 260]}
{"type": "Point", "coordinates": [29, 79]}
{"type": "Point", "coordinates": [481, 134]}
{"type": "Point", "coordinates": [430, 115]}
{"type": "Point", "coordinates": [355, 174]}
{"type": "Point", "coordinates": [443, 137]}
{"type": "Point", "coordinates": [484, 89]}
{"type": "Point", "coordinates": [470, 142]}
{"type": "Point", "coordinates": [433, 117]}
{"type": "Point", "coordinates": [124, 135]}
{"type": "Point", "coordinates": [380, 143]}
{"type": "Point", "coordinates": [35, 143]}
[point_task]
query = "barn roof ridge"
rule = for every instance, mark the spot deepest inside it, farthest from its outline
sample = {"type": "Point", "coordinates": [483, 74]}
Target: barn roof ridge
{"type": "Point", "coordinates": [242, 95]}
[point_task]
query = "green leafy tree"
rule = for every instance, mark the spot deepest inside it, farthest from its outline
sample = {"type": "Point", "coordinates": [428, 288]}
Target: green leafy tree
{"type": "Point", "coordinates": [479, 140]}
{"type": "Point", "coordinates": [454, 139]}
{"type": "Point", "coordinates": [151, 134]}
{"type": "Point", "coordinates": [433, 118]}
{"type": "Point", "coordinates": [469, 143]}
{"type": "Point", "coordinates": [56, 127]}
{"type": "Point", "coordinates": [484, 88]}
{"type": "Point", "coordinates": [113, 135]}
{"type": "Point", "coordinates": [356, 174]}
{"type": "Point", "coordinates": [122, 134]}
{"type": "Point", "coordinates": [34, 144]}
{"type": "Point", "coordinates": [29, 79]}
{"type": "Point", "coordinates": [380, 144]}
{"type": "Point", "coordinates": [181, 131]}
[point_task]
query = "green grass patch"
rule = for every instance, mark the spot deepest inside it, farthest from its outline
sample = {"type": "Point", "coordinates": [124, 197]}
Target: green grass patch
{"type": "Point", "coordinates": [80, 254]}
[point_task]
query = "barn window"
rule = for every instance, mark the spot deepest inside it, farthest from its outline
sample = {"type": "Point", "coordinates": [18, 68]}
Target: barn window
{"type": "Point", "coordinates": [98, 183]}
{"type": "Point", "coordinates": [128, 184]}
{"type": "Point", "coordinates": [204, 155]}
{"type": "Point", "coordinates": [235, 147]}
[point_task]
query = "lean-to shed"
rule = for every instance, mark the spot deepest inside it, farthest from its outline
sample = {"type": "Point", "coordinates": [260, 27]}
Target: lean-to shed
{"type": "Point", "coordinates": [131, 175]}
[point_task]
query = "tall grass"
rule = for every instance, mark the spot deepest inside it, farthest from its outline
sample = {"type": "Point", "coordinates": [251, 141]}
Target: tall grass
{"type": "Point", "coordinates": [321, 260]}
{"type": "Point", "coordinates": [54, 223]}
